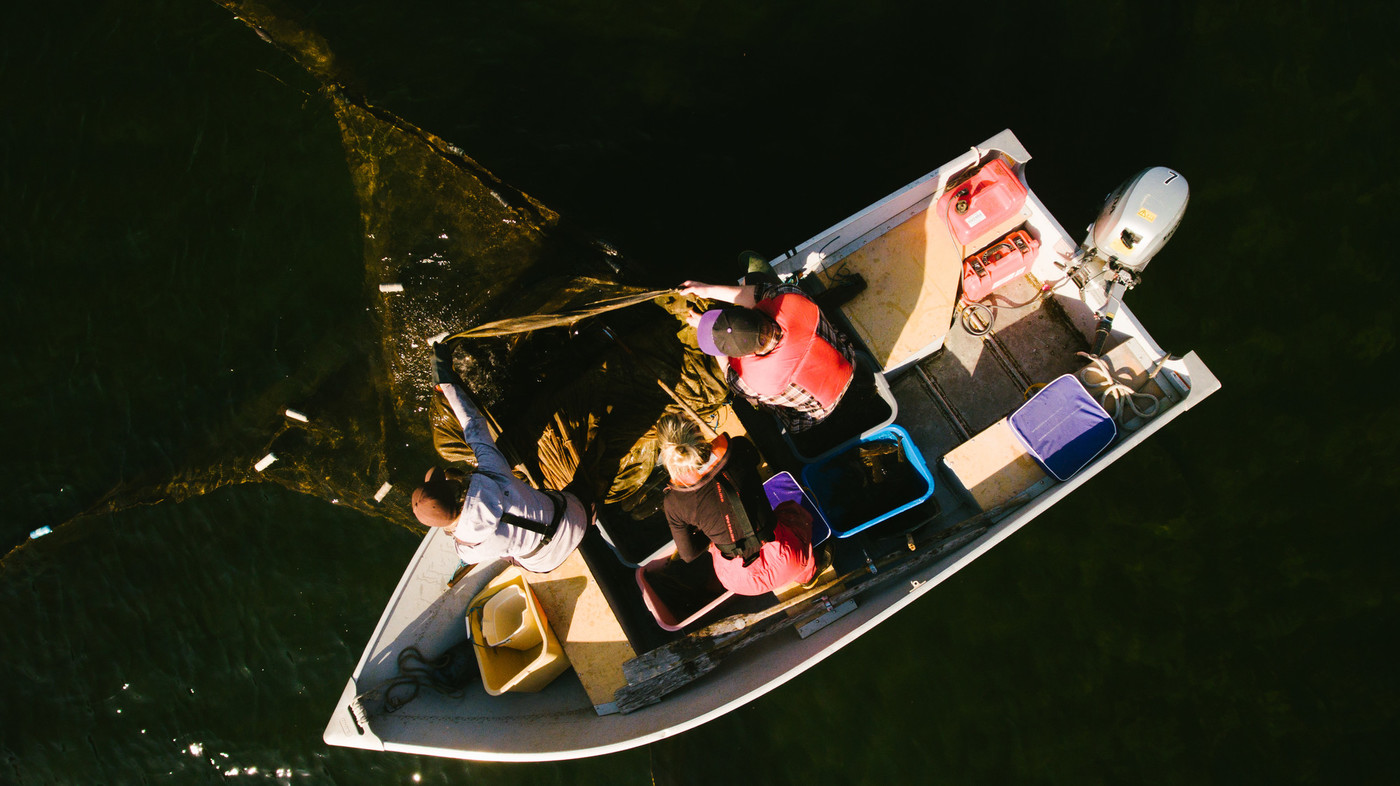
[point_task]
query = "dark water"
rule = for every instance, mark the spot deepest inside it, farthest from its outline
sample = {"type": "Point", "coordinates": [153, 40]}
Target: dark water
{"type": "Point", "coordinates": [180, 234]}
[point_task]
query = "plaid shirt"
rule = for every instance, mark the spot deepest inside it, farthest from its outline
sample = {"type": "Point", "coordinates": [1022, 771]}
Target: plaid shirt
{"type": "Point", "coordinates": [796, 408]}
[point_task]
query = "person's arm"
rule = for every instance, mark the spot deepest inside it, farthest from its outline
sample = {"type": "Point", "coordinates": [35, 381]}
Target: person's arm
{"type": "Point", "coordinates": [745, 296]}
{"type": "Point", "coordinates": [489, 458]}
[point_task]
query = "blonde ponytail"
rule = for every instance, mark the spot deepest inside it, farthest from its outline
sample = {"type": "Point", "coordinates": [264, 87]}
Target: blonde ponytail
{"type": "Point", "coordinates": [683, 450]}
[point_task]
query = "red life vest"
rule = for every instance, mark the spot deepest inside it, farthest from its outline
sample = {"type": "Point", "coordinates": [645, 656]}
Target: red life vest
{"type": "Point", "coordinates": [802, 358]}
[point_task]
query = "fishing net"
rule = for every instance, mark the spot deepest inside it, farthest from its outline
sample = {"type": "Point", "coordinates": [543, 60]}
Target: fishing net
{"type": "Point", "coordinates": [547, 333]}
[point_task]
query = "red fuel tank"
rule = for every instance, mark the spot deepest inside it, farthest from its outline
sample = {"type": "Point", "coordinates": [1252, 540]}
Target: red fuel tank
{"type": "Point", "coordinates": [980, 203]}
{"type": "Point", "coordinates": [997, 264]}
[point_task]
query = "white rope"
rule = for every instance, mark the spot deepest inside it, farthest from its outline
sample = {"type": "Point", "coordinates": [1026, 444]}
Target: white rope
{"type": "Point", "coordinates": [1118, 392]}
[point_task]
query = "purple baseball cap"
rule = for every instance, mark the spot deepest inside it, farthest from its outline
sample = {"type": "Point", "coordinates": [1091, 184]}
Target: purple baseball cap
{"type": "Point", "coordinates": [731, 332]}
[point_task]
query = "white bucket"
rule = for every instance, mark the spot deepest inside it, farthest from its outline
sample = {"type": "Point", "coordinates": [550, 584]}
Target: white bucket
{"type": "Point", "coordinates": [507, 620]}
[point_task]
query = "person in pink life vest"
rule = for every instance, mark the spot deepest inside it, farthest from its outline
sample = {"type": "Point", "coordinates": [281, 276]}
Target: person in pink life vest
{"type": "Point", "coordinates": [716, 503]}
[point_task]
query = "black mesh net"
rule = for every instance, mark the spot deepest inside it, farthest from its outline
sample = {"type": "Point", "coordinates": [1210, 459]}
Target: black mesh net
{"type": "Point", "coordinates": [550, 337]}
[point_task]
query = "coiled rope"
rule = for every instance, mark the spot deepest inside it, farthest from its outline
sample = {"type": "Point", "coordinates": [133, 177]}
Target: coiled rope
{"type": "Point", "coordinates": [1118, 392]}
{"type": "Point", "coordinates": [448, 674]}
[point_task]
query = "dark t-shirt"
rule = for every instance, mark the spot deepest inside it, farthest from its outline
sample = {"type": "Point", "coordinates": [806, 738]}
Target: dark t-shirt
{"type": "Point", "coordinates": [697, 513]}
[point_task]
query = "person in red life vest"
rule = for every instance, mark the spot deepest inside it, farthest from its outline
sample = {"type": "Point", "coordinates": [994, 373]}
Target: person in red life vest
{"type": "Point", "coordinates": [716, 502]}
{"type": "Point", "coordinates": [775, 348]}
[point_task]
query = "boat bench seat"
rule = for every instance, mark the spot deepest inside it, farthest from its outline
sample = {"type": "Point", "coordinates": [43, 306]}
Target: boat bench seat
{"type": "Point", "coordinates": [993, 467]}
{"type": "Point", "coordinates": [913, 274]}
{"type": "Point", "coordinates": [592, 636]}
{"type": "Point", "coordinates": [1051, 437]}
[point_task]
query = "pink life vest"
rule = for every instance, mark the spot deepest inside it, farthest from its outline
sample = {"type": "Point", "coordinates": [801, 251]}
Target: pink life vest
{"type": "Point", "coordinates": [802, 357]}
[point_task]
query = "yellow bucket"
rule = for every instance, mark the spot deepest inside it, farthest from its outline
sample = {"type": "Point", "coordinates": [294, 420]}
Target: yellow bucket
{"type": "Point", "coordinates": [516, 620]}
{"type": "Point", "coordinates": [506, 620]}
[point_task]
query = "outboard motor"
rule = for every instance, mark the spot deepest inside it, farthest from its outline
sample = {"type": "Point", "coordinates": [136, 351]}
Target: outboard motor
{"type": "Point", "coordinates": [1137, 219]}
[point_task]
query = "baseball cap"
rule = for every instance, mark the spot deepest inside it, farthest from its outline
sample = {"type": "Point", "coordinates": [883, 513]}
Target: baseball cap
{"type": "Point", "coordinates": [733, 332]}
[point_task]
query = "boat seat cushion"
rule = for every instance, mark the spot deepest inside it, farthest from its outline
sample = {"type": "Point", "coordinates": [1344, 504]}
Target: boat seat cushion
{"type": "Point", "coordinates": [1063, 427]}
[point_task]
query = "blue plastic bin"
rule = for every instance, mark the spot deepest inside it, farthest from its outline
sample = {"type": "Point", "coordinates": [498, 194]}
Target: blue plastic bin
{"type": "Point", "coordinates": [843, 501]}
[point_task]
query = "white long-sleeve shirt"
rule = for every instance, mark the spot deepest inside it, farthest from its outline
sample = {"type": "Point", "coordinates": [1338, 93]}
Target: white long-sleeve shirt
{"type": "Point", "coordinates": [494, 489]}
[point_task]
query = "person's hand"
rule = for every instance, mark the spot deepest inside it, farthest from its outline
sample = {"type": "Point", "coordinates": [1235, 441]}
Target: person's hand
{"type": "Point", "coordinates": [692, 317]}
{"type": "Point", "coordinates": [443, 372]}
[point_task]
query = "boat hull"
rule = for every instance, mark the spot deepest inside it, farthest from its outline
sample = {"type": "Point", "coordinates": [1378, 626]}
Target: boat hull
{"type": "Point", "coordinates": [562, 722]}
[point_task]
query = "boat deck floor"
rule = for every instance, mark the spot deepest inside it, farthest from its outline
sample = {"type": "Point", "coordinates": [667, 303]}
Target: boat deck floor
{"type": "Point", "coordinates": [974, 381]}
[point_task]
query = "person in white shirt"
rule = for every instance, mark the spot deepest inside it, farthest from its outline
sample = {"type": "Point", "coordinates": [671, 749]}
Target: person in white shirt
{"type": "Point", "coordinates": [491, 513]}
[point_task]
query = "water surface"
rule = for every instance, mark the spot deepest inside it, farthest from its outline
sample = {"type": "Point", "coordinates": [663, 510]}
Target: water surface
{"type": "Point", "coordinates": [181, 235]}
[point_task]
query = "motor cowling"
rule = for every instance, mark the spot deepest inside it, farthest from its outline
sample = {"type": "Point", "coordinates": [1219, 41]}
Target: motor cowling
{"type": "Point", "coordinates": [1138, 218]}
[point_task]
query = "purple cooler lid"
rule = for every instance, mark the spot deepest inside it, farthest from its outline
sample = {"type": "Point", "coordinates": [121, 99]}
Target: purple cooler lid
{"type": "Point", "coordinates": [1063, 427]}
{"type": "Point", "coordinates": [783, 487]}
